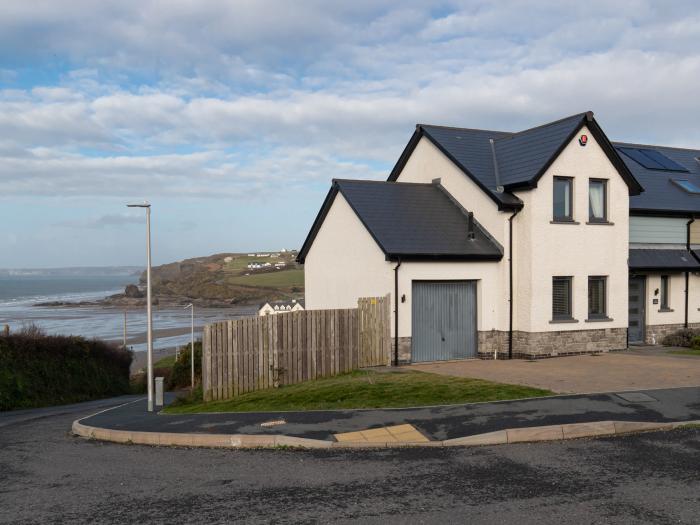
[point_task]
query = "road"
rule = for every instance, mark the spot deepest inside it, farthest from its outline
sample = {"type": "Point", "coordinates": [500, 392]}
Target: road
{"type": "Point", "coordinates": [49, 476]}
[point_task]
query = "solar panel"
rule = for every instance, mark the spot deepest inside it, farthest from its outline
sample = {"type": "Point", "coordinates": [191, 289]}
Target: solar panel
{"type": "Point", "coordinates": [688, 186]}
{"type": "Point", "coordinates": [652, 159]}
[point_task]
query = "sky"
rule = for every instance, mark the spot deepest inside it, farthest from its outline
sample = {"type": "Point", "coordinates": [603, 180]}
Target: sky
{"type": "Point", "coordinates": [232, 118]}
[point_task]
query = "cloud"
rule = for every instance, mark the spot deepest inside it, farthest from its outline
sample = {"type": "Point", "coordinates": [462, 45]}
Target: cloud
{"type": "Point", "coordinates": [104, 221]}
{"type": "Point", "coordinates": [219, 100]}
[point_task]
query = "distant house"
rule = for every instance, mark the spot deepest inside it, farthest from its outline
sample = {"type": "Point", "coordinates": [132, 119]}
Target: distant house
{"type": "Point", "coordinates": [228, 259]}
{"type": "Point", "coordinates": [280, 264]}
{"type": "Point", "coordinates": [257, 265]}
{"type": "Point", "coordinates": [279, 307]}
{"type": "Point", "coordinates": [251, 255]}
{"type": "Point", "coordinates": [262, 255]}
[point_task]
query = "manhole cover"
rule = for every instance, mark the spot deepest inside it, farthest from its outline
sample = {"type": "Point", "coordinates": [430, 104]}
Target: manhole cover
{"type": "Point", "coordinates": [637, 397]}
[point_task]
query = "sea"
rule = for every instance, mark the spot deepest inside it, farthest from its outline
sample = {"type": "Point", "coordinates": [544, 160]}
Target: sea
{"type": "Point", "coordinates": [19, 295]}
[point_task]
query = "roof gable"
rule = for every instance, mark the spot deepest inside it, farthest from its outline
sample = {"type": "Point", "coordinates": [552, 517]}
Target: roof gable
{"type": "Point", "coordinates": [516, 160]}
{"type": "Point", "coordinates": [410, 221]}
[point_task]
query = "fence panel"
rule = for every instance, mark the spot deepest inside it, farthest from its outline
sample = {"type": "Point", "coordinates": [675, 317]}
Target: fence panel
{"type": "Point", "coordinates": [255, 353]}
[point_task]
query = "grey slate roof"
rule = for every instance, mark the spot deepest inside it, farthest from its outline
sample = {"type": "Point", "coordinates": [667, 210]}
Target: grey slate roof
{"type": "Point", "coordinates": [521, 157]}
{"type": "Point", "coordinates": [411, 221]}
{"type": "Point", "coordinates": [653, 259]}
{"type": "Point", "coordinates": [660, 193]}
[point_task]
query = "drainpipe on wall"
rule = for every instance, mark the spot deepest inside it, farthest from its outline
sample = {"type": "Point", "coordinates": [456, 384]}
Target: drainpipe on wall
{"type": "Point", "coordinates": [396, 313]}
{"type": "Point", "coordinates": [687, 274]}
{"type": "Point", "coordinates": [510, 285]}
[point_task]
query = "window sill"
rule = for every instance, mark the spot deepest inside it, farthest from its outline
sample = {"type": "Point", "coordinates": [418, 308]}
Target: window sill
{"type": "Point", "coordinates": [664, 310]}
{"type": "Point", "coordinates": [599, 320]}
{"type": "Point", "coordinates": [563, 321]}
{"type": "Point", "coordinates": [600, 223]}
{"type": "Point", "coordinates": [562, 221]}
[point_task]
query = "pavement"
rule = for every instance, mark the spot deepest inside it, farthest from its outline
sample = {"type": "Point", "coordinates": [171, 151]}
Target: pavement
{"type": "Point", "coordinates": [49, 476]}
{"type": "Point", "coordinates": [437, 424]}
{"type": "Point", "coordinates": [638, 368]}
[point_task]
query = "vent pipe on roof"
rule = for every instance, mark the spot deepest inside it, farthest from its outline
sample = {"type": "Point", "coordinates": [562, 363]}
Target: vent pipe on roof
{"type": "Point", "coordinates": [470, 226]}
{"type": "Point", "coordinates": [496, 173]}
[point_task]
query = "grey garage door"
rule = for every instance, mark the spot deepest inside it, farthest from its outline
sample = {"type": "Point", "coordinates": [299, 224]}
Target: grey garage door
{"type": "Point", "coordinates": [444, 320]}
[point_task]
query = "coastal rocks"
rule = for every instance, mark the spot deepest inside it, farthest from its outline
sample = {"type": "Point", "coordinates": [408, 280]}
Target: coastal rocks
{"type": "Point", "coordinates": [132, 291]}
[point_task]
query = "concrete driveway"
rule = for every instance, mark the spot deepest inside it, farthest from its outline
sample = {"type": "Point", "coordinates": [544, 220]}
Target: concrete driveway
{"type": "Point", "coordinates": [641, 368]}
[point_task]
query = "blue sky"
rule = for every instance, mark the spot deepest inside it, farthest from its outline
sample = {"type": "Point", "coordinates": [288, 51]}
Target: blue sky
{"type": "Point", "coordinates": [233, 117]}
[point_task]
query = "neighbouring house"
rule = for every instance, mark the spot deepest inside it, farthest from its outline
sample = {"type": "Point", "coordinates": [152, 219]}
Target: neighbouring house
{"type": "Point", "coordinates": [257, 265]}
{"type": "Point", "coordinates": [279, 307]}
{"type": "Point", "coordinates": [548, 241]}
{"type": "Point", "coordinates": [280, 264]}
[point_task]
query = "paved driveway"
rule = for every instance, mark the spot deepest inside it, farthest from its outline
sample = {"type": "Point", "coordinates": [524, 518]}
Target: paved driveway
{"type": "Point", "coordinates": [640, 368]}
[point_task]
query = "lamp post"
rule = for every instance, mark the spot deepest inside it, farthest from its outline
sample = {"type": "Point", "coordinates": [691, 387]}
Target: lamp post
{"type": "Point", "coordinates": [191, 306]}
{"type": "Point", "coordinates": [149, 313]}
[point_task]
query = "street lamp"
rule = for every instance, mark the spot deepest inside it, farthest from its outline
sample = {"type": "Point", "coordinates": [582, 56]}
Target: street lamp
{"type": "Point", "coordinates": [149, 313]}
{"type": "Point", "coordinates": [191, 306]}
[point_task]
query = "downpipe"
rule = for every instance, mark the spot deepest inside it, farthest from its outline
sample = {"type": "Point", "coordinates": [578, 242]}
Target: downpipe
{"type": "Point", "coordinates": [687, 274]}
{"type": "Point", "coordinates": [510, 285]}
{"type": "Point", "coordinates": [396, 313]}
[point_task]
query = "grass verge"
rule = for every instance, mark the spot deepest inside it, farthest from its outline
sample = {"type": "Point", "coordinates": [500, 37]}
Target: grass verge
{"type": "Point", "coordinates": [689, 351]}
{"type": "Point", "coordinates": [365, 389]}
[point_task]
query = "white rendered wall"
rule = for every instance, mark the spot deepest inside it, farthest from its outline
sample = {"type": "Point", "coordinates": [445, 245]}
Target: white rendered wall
{"type": "Point", "coordinates": [544, 250]}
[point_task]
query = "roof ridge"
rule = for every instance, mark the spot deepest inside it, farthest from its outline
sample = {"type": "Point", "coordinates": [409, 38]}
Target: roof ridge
{"type": "Point", "coordinates": [635, 144]}
{"type": "Point", "coordinates": [549, 123]}
{"type": "Point", "coordinates": [385, 182]}
{"type": "Point", "coordinates": [456, 128]}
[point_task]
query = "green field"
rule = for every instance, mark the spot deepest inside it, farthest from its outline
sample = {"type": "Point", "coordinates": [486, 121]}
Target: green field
{"type": "Point", "coordinates": [366, 389]}
{"type": "Point", "coordinates": [273, 279]}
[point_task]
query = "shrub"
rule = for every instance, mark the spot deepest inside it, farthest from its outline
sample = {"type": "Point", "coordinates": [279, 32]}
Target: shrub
{"type": "Point", "coordinates": [695, 343]}
{"type": "Point", "coordinates": [181, 372]}
{"type": "Point", "coordinates": [683, 337]}
{"type": "Point", "coordinates": [42, 370]}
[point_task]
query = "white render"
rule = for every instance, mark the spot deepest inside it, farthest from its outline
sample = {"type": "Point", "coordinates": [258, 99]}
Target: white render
{"type": "Point", "coordinates": [344, 262]}
{"type": "Point", "coordinates": [544, 250]}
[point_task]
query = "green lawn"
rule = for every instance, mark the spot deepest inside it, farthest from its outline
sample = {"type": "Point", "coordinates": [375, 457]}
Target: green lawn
{"type": "Point", "coordinates": [276, 279]}
{"type": "Point", "coordinates": [688, 351]}
{"type": "Point", "coordinates": [366, 389]}
{"type": "Point", "coordinates": [166, 362]}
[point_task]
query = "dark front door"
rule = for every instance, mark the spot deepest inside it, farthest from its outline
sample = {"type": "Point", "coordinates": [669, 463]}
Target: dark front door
{"type": "Point", "coordinates": [444, 320]}
{"type": "Point", "coordinates": [637, 301]}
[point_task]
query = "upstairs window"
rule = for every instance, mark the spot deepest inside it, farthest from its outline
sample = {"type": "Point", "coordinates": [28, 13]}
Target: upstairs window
{"type": "Point", "coordinates": [597, 200]}
{"type": "Point", "coordinates": [563, 190]}
{"type": "Point", "coordinates": [597, 297]}
{"type": "Point", "coordinates": [561, 298]}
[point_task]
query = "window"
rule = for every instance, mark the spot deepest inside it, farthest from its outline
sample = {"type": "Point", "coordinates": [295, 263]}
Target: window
{"type": "Point", "coordinates": [688, 186]}
{"type": "Point", "coordinates": [664, 292]}
{"type": "Point", "coordinates": [596, 297]}
{"type": "Point", "coordinates": [563, 187]}
{"type": "Point", "coordinates": [597, 200]}
{"type": "Point", "coordinates": [561, 298]}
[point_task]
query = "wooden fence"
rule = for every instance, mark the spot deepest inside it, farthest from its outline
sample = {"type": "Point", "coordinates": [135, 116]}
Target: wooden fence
{"type": "Point", "coordinates": [283, 349]}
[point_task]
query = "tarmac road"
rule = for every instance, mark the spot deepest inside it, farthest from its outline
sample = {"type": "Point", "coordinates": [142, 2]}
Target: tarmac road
{"type": "Point", "coordinates": [49, 476]}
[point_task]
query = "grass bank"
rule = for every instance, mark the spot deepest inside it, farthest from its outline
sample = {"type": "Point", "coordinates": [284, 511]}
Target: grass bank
{"type": "Point", "coordinates": [366, 389]}
{"type": "Point", "coordinates": [38, 370]}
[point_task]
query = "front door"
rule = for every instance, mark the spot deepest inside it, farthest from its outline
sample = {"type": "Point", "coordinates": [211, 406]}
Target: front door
{"type": "Point", "coordinates": [444, 321]}
{"type": "Point", "coordinates": [637, 301]}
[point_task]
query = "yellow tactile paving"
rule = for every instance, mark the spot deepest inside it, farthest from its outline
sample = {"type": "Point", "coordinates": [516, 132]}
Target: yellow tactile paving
{"type": "Point", "coordinates": [392, 434]}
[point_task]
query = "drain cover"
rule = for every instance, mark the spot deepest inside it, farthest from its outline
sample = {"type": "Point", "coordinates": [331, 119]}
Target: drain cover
{"type": "Point", "coordinates": [637, 397]}
{"type": "Point", "coordinates": [273, 423]}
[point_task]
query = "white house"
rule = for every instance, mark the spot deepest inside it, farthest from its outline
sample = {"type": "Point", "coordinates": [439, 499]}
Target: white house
{"type": "Point", "coordinates": [278, 307]}
{"type": "Point", "coordinates": [548, 241]}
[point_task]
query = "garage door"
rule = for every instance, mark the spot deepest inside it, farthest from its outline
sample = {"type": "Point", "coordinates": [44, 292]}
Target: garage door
{"type": "Point", "coordinates": [444, 320]}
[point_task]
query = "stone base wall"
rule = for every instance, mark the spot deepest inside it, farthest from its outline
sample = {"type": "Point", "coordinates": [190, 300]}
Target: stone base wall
{"type": "Point", "coordinates": [537, 345]}
{"type": "Point", "coordinates": [534, 345]}
{"type": "Point", "coordinates": [655, 333]}
{"type": "Point", "coordinates": [404, 350]}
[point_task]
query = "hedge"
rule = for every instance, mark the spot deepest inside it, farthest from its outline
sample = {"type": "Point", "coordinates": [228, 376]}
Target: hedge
{"type": "Point", "coordinates": [39, 370]}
